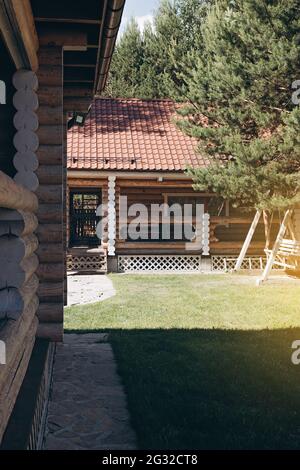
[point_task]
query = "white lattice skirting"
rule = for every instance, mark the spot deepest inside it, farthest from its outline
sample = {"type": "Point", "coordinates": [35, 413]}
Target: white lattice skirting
{"type": "Point", "coordinates": [87, 263]}
{"type": "Point", "coordinates": [159, 263]}
{"type": "Point", "coordinates": [227, 263]}
{"type": "Point", "coordinates": [186, 263]}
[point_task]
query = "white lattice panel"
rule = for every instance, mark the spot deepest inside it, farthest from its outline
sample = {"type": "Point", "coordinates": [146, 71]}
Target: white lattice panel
{"type": "Point", "coordinates": [87, 263]}
{"type": "Point", "coordinates": [227, 263]}
{"type": "Point", "coordinates": [159, 263]}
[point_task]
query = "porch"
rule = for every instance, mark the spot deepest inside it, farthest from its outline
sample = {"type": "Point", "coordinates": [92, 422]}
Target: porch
{"type": "Point", "coordinates": [223, 230]}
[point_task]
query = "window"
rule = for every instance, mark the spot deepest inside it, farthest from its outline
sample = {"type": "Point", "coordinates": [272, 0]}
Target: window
{"type": "Point", "coordinates": [83, 219]}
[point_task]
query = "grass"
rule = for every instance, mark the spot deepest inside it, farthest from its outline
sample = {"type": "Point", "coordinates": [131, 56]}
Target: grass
{"type": "Point", "coordinates": [205, 360]}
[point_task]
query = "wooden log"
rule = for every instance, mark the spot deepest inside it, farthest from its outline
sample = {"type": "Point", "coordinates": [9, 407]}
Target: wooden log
{"type": "Point", "coordinates": [51, 331]}
{"type": "Point", "coordinates": [25, 141]}
{"type": "Point", "coordinates": [14, 301]}
{"type": "Point", "coordinates": [12, 329]}
{"type": "Point", "coordinates": [26, 120]}
{"type": "Point", "coordinates": [98, 183]}
{"type": "Point", "coordinates": [77, 104]}
{"type": "Point", "coordinates": [25, 99]}
{"type": "Point", "coordinates": [26, 161]}
{"type": "Point", "coordinates": [50, 194]}
{"type": "Point", "coordinates": [11, 303]}
{"type": "Point", "coordinates": [50, 312]}
{"type": "Point", "coordinates": [136, 191]}
{"type": "Point", "coordinates": [14, 375]}
{"type": "Point", "coordinates": [154, 246]}
{"type": "Point", "coordinates": [28, 179]}
{"type": "Point", "coordinates": [154, 184]}
{"type": "Point", "coordinates": [70, 39]}
{"type": "Point", "coordinates": [77, 92]}
{"type": "Point", "coordinates": [50, 174]}
{"type": "Point", "coordinates": [29, 290]}
{"type": "Point", "coordinates": [50, 292]}
{"type": "Point", "coordinates": [51, 271]}
{"type": "Point", "coordinates": [50, 233]}
{"type": "Point", "coordinates": [179, 247]}
{"type": "Point", "coordinates": [15, 335]}
{"type": "Point", "coordinates": [16, 274]}
{"type": "Point", "coordinates": [25, 79]}
{"type": "Point", "coordinates": [50, 135]}
{"type": "Point", "coordinates": [50, 116]}
{"type": "Point", "coordinates": [50, 75]}
{"type": "Point", "coordinates": [29, 266]}
{"type": "Point", "coordinates": [17, 248]}
{"type": "Point", "coordinates": [50, 252]}
{"type": "Point", "coordinates": [50, 155]}
{"type": "Point", "coordinates": [14, 196]}
{"type": "Point", "coordinates": [18, 223]}
{"type": "Point", "coordinates": [30, 223]}
{"type": "Point", "coordinates": [231, 220]}
{"type": "Point", "coordinates": [26, 26]}
{"type": "Point", "coordinates": [50, 56]}
{"type": "Point", "coordinates": [50, 96]}
{"type": "Point", "coordinates": [49, 213]}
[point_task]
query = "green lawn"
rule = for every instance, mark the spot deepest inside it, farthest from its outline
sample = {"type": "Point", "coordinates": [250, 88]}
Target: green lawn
{"type": "Point", "coordinates": [205, 360]}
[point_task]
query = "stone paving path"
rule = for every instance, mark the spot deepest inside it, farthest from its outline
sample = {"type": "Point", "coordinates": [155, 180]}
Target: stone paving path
{"type": "Point", "coordinates": [87, 408]}
{"type": "Point", "coordinates": [89, 288]}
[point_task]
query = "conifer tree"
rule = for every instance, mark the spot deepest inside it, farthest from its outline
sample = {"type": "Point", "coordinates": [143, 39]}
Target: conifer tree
{"type": "Point", "coordinates": [149, 64]}
{"type": "Point", "coordinates": [240, 107]}
{"type": "Point", "coordinates": [125, 77]}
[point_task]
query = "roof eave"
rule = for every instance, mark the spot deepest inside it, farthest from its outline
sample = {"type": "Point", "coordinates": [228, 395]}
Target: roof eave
{"type": "Point", "coordinates": [108, 36]}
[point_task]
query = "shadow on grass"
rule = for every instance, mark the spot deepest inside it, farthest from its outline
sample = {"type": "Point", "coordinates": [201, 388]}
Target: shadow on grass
{"type": "Point", "coordinates": [210, 389]}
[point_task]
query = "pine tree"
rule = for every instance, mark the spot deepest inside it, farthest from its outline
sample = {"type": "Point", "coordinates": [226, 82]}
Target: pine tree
{"type": "Point", "coordinates": [125, 77]}
{"type": "Point", "coordinates": [150, 65]}
{"type": "Point", "coordinates": [240, 106]}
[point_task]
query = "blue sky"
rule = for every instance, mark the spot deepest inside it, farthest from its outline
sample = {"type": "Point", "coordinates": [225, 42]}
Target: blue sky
{"type": "Point", "coordinates": [141, 10]}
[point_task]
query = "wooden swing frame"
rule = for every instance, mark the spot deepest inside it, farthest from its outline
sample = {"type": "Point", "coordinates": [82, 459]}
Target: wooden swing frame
{"type": "Point", "coordinates": [283, 248]}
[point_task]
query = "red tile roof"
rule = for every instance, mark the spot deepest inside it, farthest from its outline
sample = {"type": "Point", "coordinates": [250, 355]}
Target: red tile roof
{"type": "Point", "coordinates": [131, 134]}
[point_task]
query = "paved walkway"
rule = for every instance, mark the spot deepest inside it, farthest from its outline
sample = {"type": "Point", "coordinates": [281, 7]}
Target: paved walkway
{"type": "Point", "coordinates": [87, 408]}
{"type": "Point", "coordinates": [89, 288]}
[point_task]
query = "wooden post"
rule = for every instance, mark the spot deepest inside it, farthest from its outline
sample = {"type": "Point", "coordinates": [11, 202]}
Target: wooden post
{"type": "Point", "coordinates": [272, 256]}
{"type": "Point", "coordinates": [205, 235]}
{"type": "Point", "coordinates": [111, 215]}
{"type": "Point", "coordinates": [247, 241]}
{"type": "Point", "coordinates": [50, 191]}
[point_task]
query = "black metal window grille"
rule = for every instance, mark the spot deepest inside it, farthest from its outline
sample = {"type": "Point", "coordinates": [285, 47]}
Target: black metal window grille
{"type": "Point", "coordinates": [83, 218]}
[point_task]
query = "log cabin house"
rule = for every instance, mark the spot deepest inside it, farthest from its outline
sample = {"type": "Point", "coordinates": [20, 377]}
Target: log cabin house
{"type": "Point", "coordinates": [132, 147]}
{"type": "Point", "coordinates": [54, 58]}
